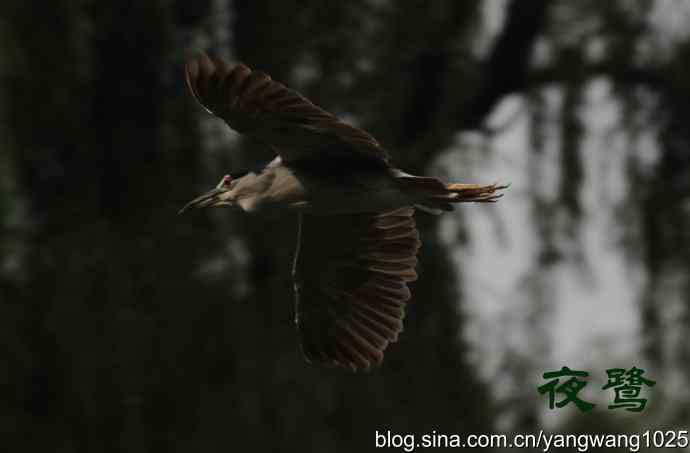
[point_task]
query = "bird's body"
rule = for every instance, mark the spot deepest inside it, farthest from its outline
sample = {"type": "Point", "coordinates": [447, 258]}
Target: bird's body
{"type": "Point", "coordinates": [358, 240]}
{"type": "Point", "coordinates": [301, 188]}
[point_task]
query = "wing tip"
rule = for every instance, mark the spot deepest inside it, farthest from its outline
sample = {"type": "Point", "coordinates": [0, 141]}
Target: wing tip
{"type": "Point", "coordinates": [201, 67]}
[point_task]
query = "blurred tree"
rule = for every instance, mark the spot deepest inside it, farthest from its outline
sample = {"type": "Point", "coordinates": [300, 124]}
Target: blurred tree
{"type": "Point", "coordinates": [104, 149]}
{"type": "Point", "coordinates": [129, 329]}
{"type": "Point", "coordinates": [109, 353]}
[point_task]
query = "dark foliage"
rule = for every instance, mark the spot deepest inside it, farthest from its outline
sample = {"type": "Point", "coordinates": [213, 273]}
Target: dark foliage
{"type": "Point", "coordinates": [120, 333]}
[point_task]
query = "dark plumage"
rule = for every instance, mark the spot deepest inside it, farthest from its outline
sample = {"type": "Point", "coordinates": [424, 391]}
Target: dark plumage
{"type": "Point", "coordinates": [358, 242]}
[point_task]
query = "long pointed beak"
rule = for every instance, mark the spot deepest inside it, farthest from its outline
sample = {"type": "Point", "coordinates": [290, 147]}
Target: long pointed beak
{"type": "Point", "coordinates": [202, 201]}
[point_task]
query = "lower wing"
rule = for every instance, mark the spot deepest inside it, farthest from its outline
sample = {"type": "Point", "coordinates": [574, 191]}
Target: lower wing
{"type": "Point", "coordinates": [351, 273]}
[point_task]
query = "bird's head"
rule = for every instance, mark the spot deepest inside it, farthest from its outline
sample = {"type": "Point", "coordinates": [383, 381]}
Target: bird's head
{"type": "Point", "coordinates": [221, 195]}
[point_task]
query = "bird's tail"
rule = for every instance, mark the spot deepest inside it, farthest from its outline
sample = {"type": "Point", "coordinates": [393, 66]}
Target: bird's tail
{"type": "Point", "coordinates": [437, 197]}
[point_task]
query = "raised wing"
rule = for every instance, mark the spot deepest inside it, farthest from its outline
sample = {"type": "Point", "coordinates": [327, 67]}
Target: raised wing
{"type": "Point", "coordinates": [254, 104]}
{"type": "Point", "coordinates": [351, 274]}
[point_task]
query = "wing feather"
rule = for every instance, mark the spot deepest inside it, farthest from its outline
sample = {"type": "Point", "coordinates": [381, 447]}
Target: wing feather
{"type": "Point", "coordinates": [252, 103]}
{"type": "Point", "coordinates": [351, 279]}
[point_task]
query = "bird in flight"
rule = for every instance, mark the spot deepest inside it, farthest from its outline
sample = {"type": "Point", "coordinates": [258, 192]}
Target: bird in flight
{"type": "Point", "coordinates": [357, 244]}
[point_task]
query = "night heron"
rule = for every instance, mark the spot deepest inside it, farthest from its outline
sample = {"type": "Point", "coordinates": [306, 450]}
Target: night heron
{"type": "Point", "coordinates": [357, 245]}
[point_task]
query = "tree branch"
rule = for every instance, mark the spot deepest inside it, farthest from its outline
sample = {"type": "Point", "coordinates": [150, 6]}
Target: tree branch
{"type": "Point", "coordinates": [506, 69]}
{"type": "Point", "coordinates": [621, 72]}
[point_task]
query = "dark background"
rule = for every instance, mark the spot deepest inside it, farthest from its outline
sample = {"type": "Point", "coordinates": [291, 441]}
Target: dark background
{"type": "Point", "coordinates": [126, 328]}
